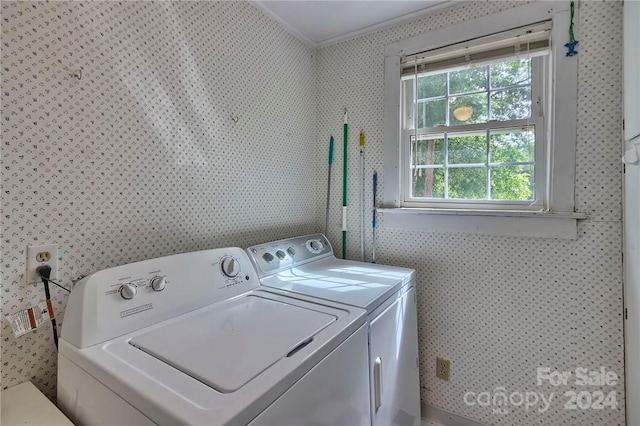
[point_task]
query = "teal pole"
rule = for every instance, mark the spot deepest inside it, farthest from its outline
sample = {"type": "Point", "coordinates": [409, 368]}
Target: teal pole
{"type": "Point", "coordinates": [326, 218]}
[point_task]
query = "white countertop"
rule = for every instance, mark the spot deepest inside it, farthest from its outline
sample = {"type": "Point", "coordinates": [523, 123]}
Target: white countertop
{"type": "Point", "coordinates": [24, 404]}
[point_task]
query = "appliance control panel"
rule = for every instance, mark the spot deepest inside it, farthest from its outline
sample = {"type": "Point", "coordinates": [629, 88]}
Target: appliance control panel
{"type": "Point", "coordinates": [126, 298]}
{"type": "Point", "coordinates": [276, 256]}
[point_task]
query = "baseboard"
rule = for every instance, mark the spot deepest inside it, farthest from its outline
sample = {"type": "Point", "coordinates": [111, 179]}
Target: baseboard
{"type": "Point", "coordinates": [445, 418]}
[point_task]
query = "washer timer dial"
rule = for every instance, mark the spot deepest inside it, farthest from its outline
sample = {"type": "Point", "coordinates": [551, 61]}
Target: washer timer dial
{"type": "Point", "coordinates": [230, 266]}
{"type": "Point", "coordinates": [315, 246]}
{"type": "Point", "coordinates": [128, 291]}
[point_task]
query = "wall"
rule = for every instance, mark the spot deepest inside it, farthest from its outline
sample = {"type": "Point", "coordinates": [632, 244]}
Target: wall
{"type": "Point", "coordinates": [140, 158]}
{"type": "Point", "coordinates": [498, 307]}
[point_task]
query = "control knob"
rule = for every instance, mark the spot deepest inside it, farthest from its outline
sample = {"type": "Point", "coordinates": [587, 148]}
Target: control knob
{"type": "Point", "coordinates": [158, 283]}
{"type": "Point", "coordinates": [230, 267]}
{"type": "Point", "coordinates": [291, 251]}
{"type": "Point", "coordinates": [281, 255]}
{"type": "Point", "coordinates": [314, 246]}
{"type": "Point", "coordinates": [128, 291]}
{"type": "Point", "coordinates": [268, 257]}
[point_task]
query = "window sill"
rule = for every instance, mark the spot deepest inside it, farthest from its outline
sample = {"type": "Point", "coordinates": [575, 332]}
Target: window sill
{"type": "Point", "coordinates": [559, 225]}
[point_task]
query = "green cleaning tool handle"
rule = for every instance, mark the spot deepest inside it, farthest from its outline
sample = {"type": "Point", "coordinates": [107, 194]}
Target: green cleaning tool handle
{"type": "Point", "coordinates": [331, 150]}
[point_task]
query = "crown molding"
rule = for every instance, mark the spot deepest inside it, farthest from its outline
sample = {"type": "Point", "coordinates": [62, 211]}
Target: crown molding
{"type": "Point", "coordinates": [297, 32]}
{"type": "Point", "coordinates": [387, 24]}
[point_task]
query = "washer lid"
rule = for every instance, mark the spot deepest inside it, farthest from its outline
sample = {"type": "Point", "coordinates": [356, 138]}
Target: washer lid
{"type": "Point", "coordinates": [228, 346]}
{"type": "Point", "coordinates": [360, 284]}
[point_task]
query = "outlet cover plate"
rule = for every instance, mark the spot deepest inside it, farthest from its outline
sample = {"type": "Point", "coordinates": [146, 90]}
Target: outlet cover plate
{"type": "Point", "coordinates": [32, 263]}
{"type": "Point", "coordinates": [442, 368]}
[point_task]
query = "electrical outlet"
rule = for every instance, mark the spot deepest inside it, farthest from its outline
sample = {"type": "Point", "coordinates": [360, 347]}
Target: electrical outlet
{"type": "Point", "coordinates": [43, 256]}
{"type": "Point", "coordinates": [40, 256]}
{"type": "Point", "coordinates": [442, 368]}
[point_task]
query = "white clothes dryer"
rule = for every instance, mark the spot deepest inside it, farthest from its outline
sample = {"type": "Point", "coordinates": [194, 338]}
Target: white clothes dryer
{"type": "Point", "coordinates": [307, 266]}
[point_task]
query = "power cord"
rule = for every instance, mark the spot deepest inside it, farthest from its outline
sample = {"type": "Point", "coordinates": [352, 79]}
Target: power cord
{"type": "Point", "coordinates": [45, 273]}
{"type": "Point", "coordinates": [48, 279]}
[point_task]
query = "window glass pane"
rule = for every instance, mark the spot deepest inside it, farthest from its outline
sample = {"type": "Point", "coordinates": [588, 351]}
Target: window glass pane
{"type": "Point", "coordinates": [467, 80]}
{"type": "Point", "coordinates": [510, 73]}
{"type": "Point", "coordinates": [432, 86]}
{"type": "Point", "coordinates": [427, 183]}
{"type": "Point", "coordinates": [432, 113]}
{"type": "Point", "coordinates": [468, 183]}
{"type": "Point", "coordinates": [512, 145]}
{"type": "Point", "coordinates": [511, 104]}
{"type": "Point", "coordinates": [428, 151]}
{"type": "Point", "coordinates": [468, 109]}
{"type": "Point", "coordinates": [467, 148]}
{"type": "Point", "coordinates": [512, 183]}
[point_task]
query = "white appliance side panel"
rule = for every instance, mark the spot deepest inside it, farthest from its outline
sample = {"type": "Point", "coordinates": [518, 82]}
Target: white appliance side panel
{"type": "Point", "coordinates": [631, 69]}
{"type": "Point", "coordinates": [334, 392]}
{"type": "Point", "coordinates": [632, 291]}
{"type": "Point", "coordinates": [393, 349]}
{"type": "Point", "coordinates": [87, 401]}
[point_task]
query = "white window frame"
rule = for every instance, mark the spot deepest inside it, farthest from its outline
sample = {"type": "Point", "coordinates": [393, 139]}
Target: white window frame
{"type": "Point", "coordinates": [557, 218]}
{"type": "Point", "coordinates": [538, 84]}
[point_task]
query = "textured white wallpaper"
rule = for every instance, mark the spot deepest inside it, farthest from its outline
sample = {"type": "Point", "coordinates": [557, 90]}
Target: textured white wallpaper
{"type": "Point", "coordinates": [141, 158]}
{"type": "Point", "coordinates": [498, 307]}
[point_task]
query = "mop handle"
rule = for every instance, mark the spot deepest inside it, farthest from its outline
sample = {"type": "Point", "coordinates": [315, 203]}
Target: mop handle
{"type": "Point", "coordinates": [344, 186]}
{"type": "Point", "coordinates": [375, 187]}
{"type": "Point", "coordinates": [362, 195]}
{"type": "Point", "coordinates": [326, 217]}
{"type": "Point", "coordinates": [373, 223]}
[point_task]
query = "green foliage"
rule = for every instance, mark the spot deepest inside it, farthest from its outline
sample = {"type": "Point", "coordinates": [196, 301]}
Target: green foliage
{"type": "Point", "coordinates": [512, 183]}
{"type": "Point", "coordinates": [467, 80]}
{"type": "Point", "coordinates": [468, 183]}
{"type": "Point", "coordinates": [490, 91]}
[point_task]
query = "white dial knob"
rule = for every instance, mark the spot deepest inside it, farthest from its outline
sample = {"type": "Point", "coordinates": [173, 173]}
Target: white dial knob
{"type": "Point", "coordinates": [128, 291]}
{"type": "Point", "coordinates": [158, 283]}
{"type": "Point", "coordinates": [230, 266]}
{"type": "Point", "coordinates": [314, 246]}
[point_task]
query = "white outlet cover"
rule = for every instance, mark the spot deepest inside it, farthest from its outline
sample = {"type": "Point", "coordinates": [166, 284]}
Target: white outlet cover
{"type": "Point", "coordinates": [32, 263]}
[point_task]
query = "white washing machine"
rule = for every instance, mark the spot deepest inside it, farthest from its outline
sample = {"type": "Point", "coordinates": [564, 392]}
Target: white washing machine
{"type": "Point", "coordinates": [193, 339]}
{"type": "Point", "coordinates": [307, 266]}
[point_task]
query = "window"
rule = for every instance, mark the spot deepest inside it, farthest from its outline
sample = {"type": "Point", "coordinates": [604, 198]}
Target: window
{"type": "Point", "coordinates": [473, 133]}
{"type": "Point", "coordinates": [480, 121]}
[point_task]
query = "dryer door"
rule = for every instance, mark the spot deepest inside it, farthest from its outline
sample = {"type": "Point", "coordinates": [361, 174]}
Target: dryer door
{"type": "Point", "coordinates": [393, 364]}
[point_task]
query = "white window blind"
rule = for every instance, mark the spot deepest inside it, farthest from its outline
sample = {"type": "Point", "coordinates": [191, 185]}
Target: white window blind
{"type": "Point", "coordinates": [531, 40]}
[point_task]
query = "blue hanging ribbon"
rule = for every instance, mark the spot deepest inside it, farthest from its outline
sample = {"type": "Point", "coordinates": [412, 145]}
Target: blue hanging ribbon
{"type": "Point", "coordinates": [571, 46]}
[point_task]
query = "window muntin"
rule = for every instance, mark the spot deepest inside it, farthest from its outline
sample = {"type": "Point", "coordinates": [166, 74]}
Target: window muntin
{"type": "Point", "coordinates": [479, 137]}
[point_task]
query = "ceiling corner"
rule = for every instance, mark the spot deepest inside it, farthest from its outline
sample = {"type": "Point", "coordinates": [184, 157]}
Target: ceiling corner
{"type": "Point", "coordinates": [287, 26]}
